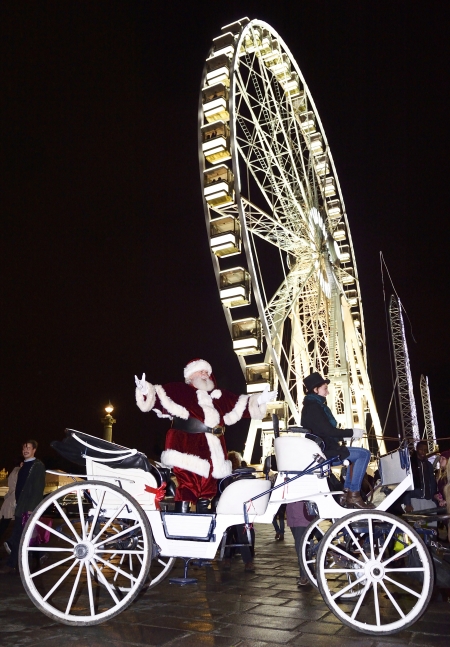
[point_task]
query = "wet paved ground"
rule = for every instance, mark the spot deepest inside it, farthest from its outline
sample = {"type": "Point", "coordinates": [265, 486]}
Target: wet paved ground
{"type": "Point", "coordinates": [225, 609]}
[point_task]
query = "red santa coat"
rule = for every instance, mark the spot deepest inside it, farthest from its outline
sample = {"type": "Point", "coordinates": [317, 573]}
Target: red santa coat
{"type": "Point", "coordinates": [197, 460]}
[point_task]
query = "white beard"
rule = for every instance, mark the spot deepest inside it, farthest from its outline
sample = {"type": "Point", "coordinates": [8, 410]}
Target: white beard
{"type": "Point", "coordinates": [202, 385]}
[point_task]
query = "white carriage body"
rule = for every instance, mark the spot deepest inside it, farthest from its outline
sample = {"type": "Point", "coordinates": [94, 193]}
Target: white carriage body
{"type": "Point", "coordinates": [192, 535]}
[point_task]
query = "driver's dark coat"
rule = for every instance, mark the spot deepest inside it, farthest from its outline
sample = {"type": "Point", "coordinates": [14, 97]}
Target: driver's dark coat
{"type": "Point", "coordinates": [315, 419]}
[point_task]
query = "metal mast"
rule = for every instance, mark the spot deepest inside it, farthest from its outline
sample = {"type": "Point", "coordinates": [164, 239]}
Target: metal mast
{"type": "Point", "coordinates": [429, 433]}
{"type": "Point", "coordinates": [407, 403]}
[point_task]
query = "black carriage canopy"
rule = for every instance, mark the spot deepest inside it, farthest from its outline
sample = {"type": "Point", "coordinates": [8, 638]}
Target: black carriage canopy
{"type": "Point", "coordinates": [75, 451]}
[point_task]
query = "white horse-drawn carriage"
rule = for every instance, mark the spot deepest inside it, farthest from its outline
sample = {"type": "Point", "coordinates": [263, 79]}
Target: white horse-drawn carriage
{"type": "Point", "coordinates": [372, 569]}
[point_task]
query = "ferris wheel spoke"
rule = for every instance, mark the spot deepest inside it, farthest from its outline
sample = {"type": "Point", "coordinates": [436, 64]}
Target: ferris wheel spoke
{"type": "Point", "coordinates": [273, 160]}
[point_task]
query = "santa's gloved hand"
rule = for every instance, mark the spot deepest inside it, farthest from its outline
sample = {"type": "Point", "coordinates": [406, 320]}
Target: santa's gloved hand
{"type": "Point", "coordinates": [267, 396]}
{"type": "Point", "coordinates": [141, 384]}
{"type": "Point", "coordinates": [358, 434]}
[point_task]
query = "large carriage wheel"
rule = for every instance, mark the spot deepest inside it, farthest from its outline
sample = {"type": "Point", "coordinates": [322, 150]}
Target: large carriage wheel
{"type": "Point", "coordinates": [111, 544]}
{"type": "Point", "coordinates": [388, 560]}
{"type": "Point", "coordinates": [314, 534]}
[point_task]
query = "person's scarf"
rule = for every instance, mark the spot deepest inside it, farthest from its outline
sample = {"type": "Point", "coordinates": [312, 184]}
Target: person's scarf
{"type": "Point", "coordinates": [313, 397]}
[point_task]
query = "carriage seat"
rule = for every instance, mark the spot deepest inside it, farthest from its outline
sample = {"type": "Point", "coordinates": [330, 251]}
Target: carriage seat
{"type": "Point", "coordinates": [234, 496]}
{"type": "Point", "coordinates": [75, 451]}
{"type": "Point", "coordinates": [295, 452]}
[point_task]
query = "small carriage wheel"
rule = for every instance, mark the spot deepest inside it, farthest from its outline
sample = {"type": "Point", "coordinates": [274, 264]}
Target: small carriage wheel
{"type": "Point", "coordinates": [392, 567]}
{"type": "Point", "coordinates": [314, 534]}
{"type": "Point", "coordinates": [113, 540]}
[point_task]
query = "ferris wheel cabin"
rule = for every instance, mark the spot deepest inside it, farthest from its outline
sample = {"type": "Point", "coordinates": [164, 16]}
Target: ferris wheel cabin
{"type": "Point", "coordinates": [225, 236]}
{"type": "Point", "coordinates": [258, 376]}
{"type": "Point", "coordinates": [247, 336]}
{"type": "Point", "coordinates": [216, 142]}
{"type": "Point", "coordinates": [235, 287]}
{"type": "Point", "coordinates": [219, 185]}
{"type": "Point", "coordinates": [215, 102]}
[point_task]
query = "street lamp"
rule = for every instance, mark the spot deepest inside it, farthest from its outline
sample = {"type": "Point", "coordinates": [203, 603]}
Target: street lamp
{"type": "Point", "coordinates": [108, 422]}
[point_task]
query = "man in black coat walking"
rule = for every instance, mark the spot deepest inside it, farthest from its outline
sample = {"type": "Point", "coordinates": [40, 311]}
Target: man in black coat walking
{"type": "Point", "coordinates": [29, 492]}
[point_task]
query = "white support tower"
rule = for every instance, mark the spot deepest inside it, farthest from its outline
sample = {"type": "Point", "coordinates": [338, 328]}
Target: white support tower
{"type": "Point", "coordinates": [429, 432]}
{"type": "Point", "coordinates": [408, 412]}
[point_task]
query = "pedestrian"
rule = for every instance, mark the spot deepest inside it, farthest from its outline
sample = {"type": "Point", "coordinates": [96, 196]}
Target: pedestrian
{"type": "Point", "coordinates": [29, 492]}
{"type": "Point", "coordinates": [298, 520]}
{"type": "Point", "coordinates": [441, 478]}
{"type": "Point", "coordinates": [195, 444]}
{"type": "Point", "coordinates": [423, 495]}
{"type": "Point", "coordinates": [278, 522]}
{"type": "Point", "coordinates": [318, 418]}
{"type": "Point", "coordinates": [9, 504]}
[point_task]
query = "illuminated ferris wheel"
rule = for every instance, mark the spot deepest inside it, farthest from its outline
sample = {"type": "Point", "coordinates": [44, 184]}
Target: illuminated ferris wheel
{"type": "Point", "coordinates": [278, 229]}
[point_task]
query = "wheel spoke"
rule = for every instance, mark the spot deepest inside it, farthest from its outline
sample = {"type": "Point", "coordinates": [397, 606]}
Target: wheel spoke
{"type": "Point", "coordinates": [107, 526]}
{"type": "Point", "coordinates": [341, 570]}
{"type": "Point", "coordinates": [119, 534]}
{"type": "Point", "coordinates": [89, 582]}
{"type": "Point", "coordinates": [348, 587]}
{"type": "Point", "coordinates": [118, 570]}
{"type": "Point", "coordinates": [372, 552]}
{"type": "Point", "coordinates": [61, 579]}
{"type": "Point", "coordinates": [96, 514]}
{"type": "Point", "coordinates": [392, 599]}
{"type": "Point", "coordinates": [356, 542]}
{"type": "Point", "coordinates": [67, 520]}
{"type": "Point", "coordinates": [81, 512]}
{"type": "Point", "coordinates": [400, 554]}
{"type": "Point", "coordinates": [49, 568]}
{"type": "Point", "coordinates": [74, 588]}
{"type": "Point", "coordinates": [55, 532]}
{"type": "Point", "coordinates": [386, 542]}
{"type": "Point", "coordinates": [106, 583]}
{"type": "Point", "coordinates": [402, 586]}
{"type": "Point", "coordinates": [360, 600]}
{"type": "Point", "coordinates": [376, 603]}
{"type": "Point", "coordinates": [346, 555]}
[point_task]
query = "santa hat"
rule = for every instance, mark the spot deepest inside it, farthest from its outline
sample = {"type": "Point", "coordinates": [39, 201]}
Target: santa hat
{"type": "Point", "coordinates": [196, 365]}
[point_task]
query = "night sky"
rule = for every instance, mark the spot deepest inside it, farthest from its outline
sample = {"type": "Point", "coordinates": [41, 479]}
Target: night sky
{"type": "Point", "coordinates": [106, 270]}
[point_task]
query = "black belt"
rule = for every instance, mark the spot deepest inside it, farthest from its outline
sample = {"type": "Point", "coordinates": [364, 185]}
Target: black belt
{"type": "Point", "coordinates": [194, 426]}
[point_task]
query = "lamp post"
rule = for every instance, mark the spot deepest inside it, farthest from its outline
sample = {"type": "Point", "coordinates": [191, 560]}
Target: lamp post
{"type": "Point", "coordinates": [108, 422]}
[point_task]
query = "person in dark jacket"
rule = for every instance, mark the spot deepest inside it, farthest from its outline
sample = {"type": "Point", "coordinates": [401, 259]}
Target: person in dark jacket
{"type": "Point", "coordinates": [318, 418]}
{"type": "Point", "coordinates": [425, 487]}
{"type": "Point", "coordinates": [29, 492]}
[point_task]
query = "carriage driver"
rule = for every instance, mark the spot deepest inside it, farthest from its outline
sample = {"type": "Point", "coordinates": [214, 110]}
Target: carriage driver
{"type": "Point", "coordinates": [317, 417]}
{"type": "Point", "coordinates": [195, 447]}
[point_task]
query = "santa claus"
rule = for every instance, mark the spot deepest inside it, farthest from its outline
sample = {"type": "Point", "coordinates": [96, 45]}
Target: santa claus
{"type": "Point", "coordinates": [195, 445]}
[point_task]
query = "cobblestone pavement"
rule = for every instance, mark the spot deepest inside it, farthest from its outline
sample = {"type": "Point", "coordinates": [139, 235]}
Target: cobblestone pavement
{"type": "Point", "coordinates": [225, 609]}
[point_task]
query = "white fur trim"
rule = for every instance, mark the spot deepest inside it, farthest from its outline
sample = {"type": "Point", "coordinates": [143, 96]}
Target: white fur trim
{"type": "Point", "coordinates": [216, 394]}
{"type": "Point", "coordinates": [237, 412]}
{"type": "Point", "coordinates": [146, 402]}
{"type": "Point", "coordinates": [197, 365]}
{"type": "Point", "coordinates": [257, 411]}
{"type": "Point", "coordinates": [212, 417]}
{"type": "Point", "coordinates": [189, 462]}
{"type": "Point", "coordinates": [221, 467]}
{"type": "Point", "coordinates": [169, 405]}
